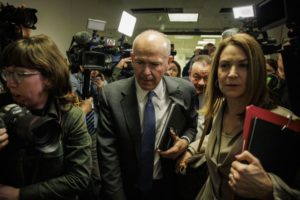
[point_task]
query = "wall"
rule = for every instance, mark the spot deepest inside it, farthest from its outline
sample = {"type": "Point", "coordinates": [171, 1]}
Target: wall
{"type": "Point", "coordinates": [60, 19]}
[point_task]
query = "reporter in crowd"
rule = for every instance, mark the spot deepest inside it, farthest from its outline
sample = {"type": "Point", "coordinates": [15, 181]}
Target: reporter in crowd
{"type": "Point", "coordinates": [37, 78]}
{"type": "Point", "coordinates": [238, 79]}
{"type": "Point", "coordinates": [174, 69]}
{"type": "Point", "coordinates": [123, 65]}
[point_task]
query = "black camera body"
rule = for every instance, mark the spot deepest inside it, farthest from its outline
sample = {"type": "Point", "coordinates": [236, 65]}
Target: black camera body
{"type": "Point", "coordinates": [30, 131]}
{"type": "Point", "coordinates": [11, 20]}
{"type": "Point", "coordinates": [89, 55]}
{"type": "Point", "coordinates": [274, 82]}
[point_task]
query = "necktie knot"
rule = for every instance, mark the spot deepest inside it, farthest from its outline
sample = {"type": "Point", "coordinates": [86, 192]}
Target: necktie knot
{"type": "Point", "coordinates": [150, 95]}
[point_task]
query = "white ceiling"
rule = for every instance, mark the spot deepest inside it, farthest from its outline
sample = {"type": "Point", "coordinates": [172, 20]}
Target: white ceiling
{"type": "Point", "coordinates": [61, 19]}
{"type": "Point", "coordinates": [210, 19]}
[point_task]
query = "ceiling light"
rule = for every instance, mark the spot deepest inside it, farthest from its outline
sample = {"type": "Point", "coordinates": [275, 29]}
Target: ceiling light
{"type": "Point", "coordinates": [184, 37]}
{"type": "Point", "coordinates": [210, 36]}
{"type": "Point", "coordinates": [202, 42]}
{"type": "Point", "coordinates": [243, 12]}
{"type": "Point", "coordinates": [210, 40]}
{"type": "Point", "coordinates": [183, 17]}
{"type": "Point", "coordinates": [199, 47]}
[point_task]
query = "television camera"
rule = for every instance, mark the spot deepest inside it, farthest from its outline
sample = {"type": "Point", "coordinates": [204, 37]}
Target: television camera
{"type": "Point", "coordinates": [95, 53]}
{"type": "Point", "coordinates": [268, 45]}
{"type": "Point", "coordinates": [286, 13]}
{"type": "Point", "coordinates": [12, 20]}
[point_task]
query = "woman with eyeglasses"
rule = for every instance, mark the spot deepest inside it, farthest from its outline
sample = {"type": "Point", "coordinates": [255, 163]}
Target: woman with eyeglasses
{"type": "Point", "coordinates": [37, 78]}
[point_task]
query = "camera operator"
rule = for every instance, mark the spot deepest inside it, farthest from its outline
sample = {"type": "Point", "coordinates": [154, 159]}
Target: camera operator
{"type": "Point", "coordinates": [37, 77]}
{"type": "Point", "coordinates": [123, 65]}
{"type": "Point", "coordinates": [276, 84]}
{"type": "Point", "coordinates": [15, 23]}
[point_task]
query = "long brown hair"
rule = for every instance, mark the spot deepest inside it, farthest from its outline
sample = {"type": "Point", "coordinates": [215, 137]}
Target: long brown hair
{"type": "Point", "coordinates": [256, 86]}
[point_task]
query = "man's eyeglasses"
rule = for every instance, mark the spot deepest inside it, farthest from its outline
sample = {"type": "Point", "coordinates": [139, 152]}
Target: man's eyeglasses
{"type": "Point", "coordinates": [17, 76]}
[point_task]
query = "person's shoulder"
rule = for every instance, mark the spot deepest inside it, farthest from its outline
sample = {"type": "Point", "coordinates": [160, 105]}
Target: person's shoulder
{"type": "Point", "coordinates": [71, 112]}
{"type": "Point", "coordinates": [180, 81]}
{"type": "Point", "coordinates": [284, 112]}
{"type": "Point", "coordinates": [119, 85]}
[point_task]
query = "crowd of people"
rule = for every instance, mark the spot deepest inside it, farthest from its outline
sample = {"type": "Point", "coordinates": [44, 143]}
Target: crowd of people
{"type": "Point", "coordinates": [116, 156]}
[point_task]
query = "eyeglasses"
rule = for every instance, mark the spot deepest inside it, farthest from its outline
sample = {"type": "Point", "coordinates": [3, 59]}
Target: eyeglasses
{"type": "Point", "coordinates": [17, 76]}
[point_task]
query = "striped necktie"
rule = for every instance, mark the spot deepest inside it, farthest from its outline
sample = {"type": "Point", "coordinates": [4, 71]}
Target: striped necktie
{"type": "Point", "coordinates": [89, 119]}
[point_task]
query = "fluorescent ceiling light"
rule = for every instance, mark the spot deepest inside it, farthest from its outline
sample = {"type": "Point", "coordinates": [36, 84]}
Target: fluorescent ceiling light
{"type": "Point", "coordinates": [184, 37]}
{"type": "Point", "coordinates": [243, 12]}
{"type": "Point", "coordinates": [210, 40]}
{"type": "Point", "coordinates": [202, 42]}
{"type": "Point", "coordinates": [210, 36]}
{"type": "Point", "coordinates": [127, 24]}
{"type": "Point", "coordinates": [199, 47]}
{"type": "Point", "coordinates": [183, 17]}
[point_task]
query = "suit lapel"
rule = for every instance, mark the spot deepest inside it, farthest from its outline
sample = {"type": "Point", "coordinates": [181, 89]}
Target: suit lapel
{"type": "Point", "coordinates": [130, 108]}
{"type": "Point", "coordinates": [131, 115]}
{"type": "Point", "coordinates": [174, 93]}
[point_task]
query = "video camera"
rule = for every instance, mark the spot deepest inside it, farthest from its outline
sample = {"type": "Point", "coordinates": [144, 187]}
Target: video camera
{"type": "Point", "coordinates": [11, 20]}
{"type": "Point", "coordinates": [272, 13]}
{"type": "Point", "coordinates": [27, 130]}
{"type": "Point", "coordinates": [96, 53]}
{"type": "Point", "coordinates": [268, 45]}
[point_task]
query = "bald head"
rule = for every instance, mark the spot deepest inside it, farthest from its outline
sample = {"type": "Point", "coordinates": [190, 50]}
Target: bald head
{"type": "Point", "coordinates": [152, 41]}
{"type": "Point", "coordinates": [150, 58]}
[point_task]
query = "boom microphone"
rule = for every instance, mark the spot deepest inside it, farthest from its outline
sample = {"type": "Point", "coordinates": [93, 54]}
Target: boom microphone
{"type": "Point", "coordinates": [82, 37]}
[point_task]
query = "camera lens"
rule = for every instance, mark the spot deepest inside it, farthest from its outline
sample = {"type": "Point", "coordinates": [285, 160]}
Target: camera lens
{"type": "Point", "coordinates": [26, 17]}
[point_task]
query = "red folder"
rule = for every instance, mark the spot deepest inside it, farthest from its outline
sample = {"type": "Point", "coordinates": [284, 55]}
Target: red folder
{"type": "Point", "coordinates": [275, 141]}
{"type": "Point", "coordinates": [253, 112]}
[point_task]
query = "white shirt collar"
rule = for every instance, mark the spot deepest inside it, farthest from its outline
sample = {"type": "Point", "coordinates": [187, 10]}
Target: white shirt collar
{"type": "Point", "coordinates": [159, 91]}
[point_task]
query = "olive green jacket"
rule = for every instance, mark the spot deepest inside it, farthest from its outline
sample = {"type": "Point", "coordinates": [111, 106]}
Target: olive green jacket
{"type": "Point", "coordinates": [61, 174]}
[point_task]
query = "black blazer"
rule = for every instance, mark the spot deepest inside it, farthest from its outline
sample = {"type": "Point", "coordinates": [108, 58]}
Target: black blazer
{"type": "Point", "coordinates": [120, 133]}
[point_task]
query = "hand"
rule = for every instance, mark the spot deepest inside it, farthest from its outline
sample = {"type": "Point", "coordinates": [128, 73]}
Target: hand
{"type": "Point", "coordinates": [249, 180]}
{"type": "Point", "coordinates": [3, 138]}
{"type": "Point", "coordinates": [87, 105]}
{"type": "Point", "coordinates": [123, 62]}
{"type": "Point", "coordinates": [182, 161]}
{"type": "Point", "coordinates": [179, 146]}
{"type": "Point", "coordinates": [99, 82]}
{"type": "Point", "coordinates": [9, 193]}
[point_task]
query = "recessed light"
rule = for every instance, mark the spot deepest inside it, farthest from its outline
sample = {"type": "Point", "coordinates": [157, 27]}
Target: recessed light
{"type": "Point", "coordinates": [183, 17]}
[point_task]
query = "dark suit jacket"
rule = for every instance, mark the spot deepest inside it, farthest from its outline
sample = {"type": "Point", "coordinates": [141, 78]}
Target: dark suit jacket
{"type": "Point", "coordinates": [120, 133]}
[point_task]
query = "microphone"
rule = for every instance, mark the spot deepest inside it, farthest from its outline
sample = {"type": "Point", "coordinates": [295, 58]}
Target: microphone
{"type": "Point", "coordinates": [82, 37]}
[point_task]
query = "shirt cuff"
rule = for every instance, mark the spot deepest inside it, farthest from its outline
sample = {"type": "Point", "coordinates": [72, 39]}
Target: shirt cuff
{"type": "Point", "coordinates": [186, 138]}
